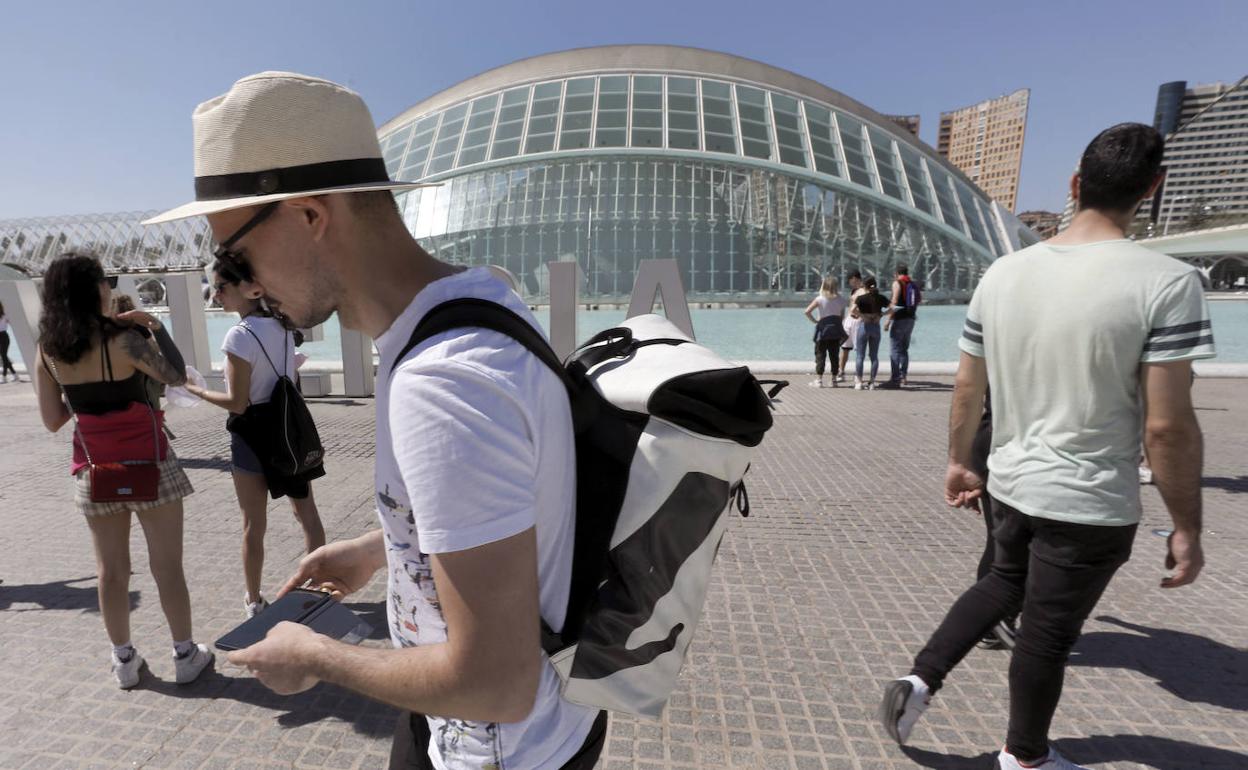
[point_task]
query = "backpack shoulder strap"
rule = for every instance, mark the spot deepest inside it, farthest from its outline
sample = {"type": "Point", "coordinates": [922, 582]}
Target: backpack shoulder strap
{"type": "Point", "coordinates": [262, 350]}
{"type": "Point", "coordinates": [483, 314]}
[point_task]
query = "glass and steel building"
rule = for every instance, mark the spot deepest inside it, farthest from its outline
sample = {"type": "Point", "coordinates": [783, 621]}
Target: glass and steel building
{"type": "Point", "coordinates": [119, 240]}
{"type": "Point", "coordinates": [756, 180]}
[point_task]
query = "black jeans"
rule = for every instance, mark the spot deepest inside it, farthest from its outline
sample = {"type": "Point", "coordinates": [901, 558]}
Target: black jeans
{"type": "Point", "coordinates": [410, 748]}
{"type": "Point", "coordinates": [1056, 572]}
{"type": "Point", "coordinates": [6, 365]}
{"type": "Point", "coordinates": [830, 348]}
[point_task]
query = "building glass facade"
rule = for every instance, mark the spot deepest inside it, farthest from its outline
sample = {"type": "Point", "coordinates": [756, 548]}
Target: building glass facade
{"type": "Point", "coordinates": [754, 190]}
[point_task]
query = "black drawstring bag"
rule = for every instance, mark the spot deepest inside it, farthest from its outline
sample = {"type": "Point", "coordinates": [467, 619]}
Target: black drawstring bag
{"type": "Point", "coordinates": [281, 432]}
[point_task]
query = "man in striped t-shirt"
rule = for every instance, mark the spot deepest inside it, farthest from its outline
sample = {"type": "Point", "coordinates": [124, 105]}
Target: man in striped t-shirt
{"type": "Point", "coordinates": [1081, 337]}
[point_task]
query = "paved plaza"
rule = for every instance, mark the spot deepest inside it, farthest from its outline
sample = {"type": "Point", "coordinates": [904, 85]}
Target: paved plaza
{"type": "Point", "coordinates": [824, 593]}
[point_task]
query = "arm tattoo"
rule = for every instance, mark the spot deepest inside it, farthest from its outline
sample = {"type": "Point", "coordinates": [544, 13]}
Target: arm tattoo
{"type": "Point", "coordinates": [146, 357]}
{"type": "Point", "coordinates": [168, 349]}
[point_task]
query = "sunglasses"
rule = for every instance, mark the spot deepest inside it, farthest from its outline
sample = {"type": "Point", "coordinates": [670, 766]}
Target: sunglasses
{"type": "Point", "coordinates": [233, 260]}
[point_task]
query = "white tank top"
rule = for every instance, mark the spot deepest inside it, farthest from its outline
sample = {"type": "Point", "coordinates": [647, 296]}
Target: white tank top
{"type": "Point", "coordinates": [830, 307]}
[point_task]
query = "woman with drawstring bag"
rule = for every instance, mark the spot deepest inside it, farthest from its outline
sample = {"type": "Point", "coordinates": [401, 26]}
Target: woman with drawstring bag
{"type": "Point", "coordinates": [259, 350]}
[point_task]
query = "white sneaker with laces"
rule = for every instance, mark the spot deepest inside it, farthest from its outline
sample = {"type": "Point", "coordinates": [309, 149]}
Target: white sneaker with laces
{"type": "Point", "coordinates": [1054, 761]}
{"type": "Point", "coordinates": [127, 672]}
{"type": "Point", "coordinates": [904, 702]}
{"type": "Point", "coordinates": [188, 667]}
{"type": "Point", "coordinates": [253, 608]}
{"type": "Point", "coordinates": [857, 384]}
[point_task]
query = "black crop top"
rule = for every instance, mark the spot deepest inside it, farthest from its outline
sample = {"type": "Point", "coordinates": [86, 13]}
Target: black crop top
{"type": "Point", "coordinates": [107, 394]}
{"type": "Point", "coordinates": [871, 303]}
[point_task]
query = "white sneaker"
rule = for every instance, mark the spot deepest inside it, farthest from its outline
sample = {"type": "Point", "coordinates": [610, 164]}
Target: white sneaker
{"type": "Point", "coordinates": [1146, 475]}
{"type": "Point", "coordinates": [188, 667]}
{"type": "Point", "coordinates": [857, 384]}
{"type": "Point", "coordinates": [1054, 761]}
{"type": "Point", "coordinates": [871, 386]}
{"type": "Point", "coordinates": [904, 702]}
{"type": "Point", "coordinates": [815, 384]}
{"type": "Point", "coordinates": [127, 672]}
{"type": "Point", "coordinates": [253, 608]}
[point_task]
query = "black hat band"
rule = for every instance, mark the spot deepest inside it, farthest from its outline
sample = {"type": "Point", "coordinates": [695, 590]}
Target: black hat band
{"type": "Point", "coordinates": [293, 179]}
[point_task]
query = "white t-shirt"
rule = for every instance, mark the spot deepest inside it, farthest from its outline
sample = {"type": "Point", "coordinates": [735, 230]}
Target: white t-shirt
{"type": "Point", "coordinates": [480, 431]}
{"type": "Point", "coordinates": [828, 308]}
{"type": "Point", "coordinates": [4, 323]}
{"type": "Point", "coordinates": [275, 340]}
{"type": "Point", "coordinates": [1064, 330]}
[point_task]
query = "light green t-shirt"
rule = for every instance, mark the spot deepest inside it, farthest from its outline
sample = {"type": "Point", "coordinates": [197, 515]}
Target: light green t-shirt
{"type": "Point", "coordinates": [1064, 330]}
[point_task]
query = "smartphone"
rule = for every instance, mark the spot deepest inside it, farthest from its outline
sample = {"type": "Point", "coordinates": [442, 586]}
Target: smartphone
{"type": "Point", "coordinates": [315, 609]}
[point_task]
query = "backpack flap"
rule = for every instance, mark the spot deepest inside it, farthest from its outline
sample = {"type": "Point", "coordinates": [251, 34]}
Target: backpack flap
{"type": "Point", "coordinates": [663, 373]}
{"type": "Point", "coordinates": [674, 515]}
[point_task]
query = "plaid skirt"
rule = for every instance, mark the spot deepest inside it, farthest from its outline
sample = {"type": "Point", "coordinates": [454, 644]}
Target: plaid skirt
{"type": "Point", "coordinates": [174, 485]}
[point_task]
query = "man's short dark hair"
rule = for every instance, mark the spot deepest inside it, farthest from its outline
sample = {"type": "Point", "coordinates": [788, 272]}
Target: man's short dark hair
{"type": "Point", "coordinates": [903, 269]}
{"type": "Point", "coordinates": [1119, 166]}
{"type": "Point", "coordinates": [374, 205]}
{"type": "Point", "coordinates": [855, 274]}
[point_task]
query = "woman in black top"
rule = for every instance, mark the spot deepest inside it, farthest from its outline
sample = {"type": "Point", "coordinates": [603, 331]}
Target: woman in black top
{"type": "Point", "coordinates": [871, 305]}
{"type": "Point", "coordinates": [99, 365]}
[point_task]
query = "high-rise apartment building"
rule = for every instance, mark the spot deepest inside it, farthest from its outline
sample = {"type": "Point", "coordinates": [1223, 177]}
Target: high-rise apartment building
{"type": "Point", "coordinates": [985, 141]}
{"type": "Point", "coordinates": [1206, 158]}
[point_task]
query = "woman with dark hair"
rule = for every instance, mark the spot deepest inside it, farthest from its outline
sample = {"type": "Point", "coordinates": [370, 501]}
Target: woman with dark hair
{"type": "Point", "coordinates": [258, 351]}
{"type": "Point", "coordinates": [6, 365]}
{"type": "Point", "coordinates": [92, 372]}
{"type": "Point", "coordinates": [870, 305]}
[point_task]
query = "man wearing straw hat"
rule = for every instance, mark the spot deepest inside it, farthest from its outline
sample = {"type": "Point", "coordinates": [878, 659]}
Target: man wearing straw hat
{"type": "Point", "coordinates": [475, 468]}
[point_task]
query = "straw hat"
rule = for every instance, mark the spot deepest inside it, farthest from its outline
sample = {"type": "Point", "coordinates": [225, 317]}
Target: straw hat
{"type": "Point", "coordinates": [278, 135]}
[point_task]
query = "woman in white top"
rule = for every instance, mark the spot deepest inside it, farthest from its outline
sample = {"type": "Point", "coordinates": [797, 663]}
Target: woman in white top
{"type": "Point", "coordinates": [828, 329]}
{"type": "Point", "coordinates": [6, 366]}
{"type": "Point", "coordinates": [254, 351]}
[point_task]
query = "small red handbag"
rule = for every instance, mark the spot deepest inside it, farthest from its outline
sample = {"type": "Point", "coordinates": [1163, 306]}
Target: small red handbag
{"type": "Point", "coordinates": [124, 482]}
{"type": "Point", "coordinates": [119, 482]}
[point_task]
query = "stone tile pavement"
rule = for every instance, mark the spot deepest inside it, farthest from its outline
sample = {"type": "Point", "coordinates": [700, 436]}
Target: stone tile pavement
{"type": "Point", "coordinates": [847, 563]}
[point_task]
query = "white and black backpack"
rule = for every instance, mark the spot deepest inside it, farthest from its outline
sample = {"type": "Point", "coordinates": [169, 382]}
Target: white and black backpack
{"type": "Point", "coordinates": [665, 431]}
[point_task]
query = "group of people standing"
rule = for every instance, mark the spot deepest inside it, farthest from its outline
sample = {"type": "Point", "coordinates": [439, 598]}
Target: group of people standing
{"type": "Point", "coordinates": [104, 366]}
{"type": "Point", "coordinates": [856, 324]}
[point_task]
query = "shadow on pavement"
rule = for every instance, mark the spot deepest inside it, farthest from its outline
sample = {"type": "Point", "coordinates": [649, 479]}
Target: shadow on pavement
{"type": "Point", "coordinates": [1191, 667]}
{"type": "Point", "coordinates": [336, 401]}
{"type": "Point", "coordinates": [57, 595]}
{"type": "Point", "coordinates": [322, 702]}
{"type": "Point", "coordinates": [1228, 483]}
{"type": "Point", "coordinates": [205, 463]}
{"type": "Point", "coordinates": [1146, 750]}
{"type": "Point", "coordinates": [373, 613]}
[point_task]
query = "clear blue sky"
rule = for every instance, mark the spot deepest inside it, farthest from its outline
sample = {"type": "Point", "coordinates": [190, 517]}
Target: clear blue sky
{"type": "Point", "coordinates": [97, 96]}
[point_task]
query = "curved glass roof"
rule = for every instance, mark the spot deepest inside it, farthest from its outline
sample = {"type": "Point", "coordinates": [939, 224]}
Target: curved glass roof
{"type": "Point", "coordinates": [119, 240]}
{"type": "Point", "coordinates": [688, 115]}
